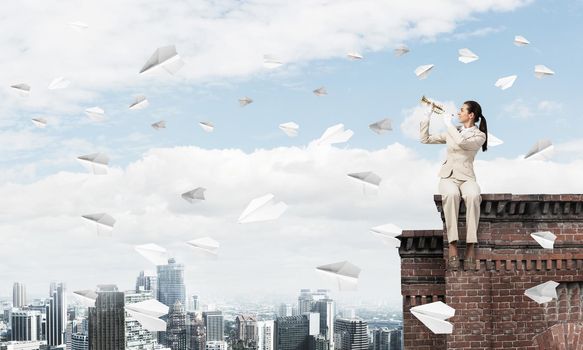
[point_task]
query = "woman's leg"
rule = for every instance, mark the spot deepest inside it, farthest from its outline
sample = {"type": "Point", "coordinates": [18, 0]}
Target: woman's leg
{"type": "Point", "coordinates": [450, 197]}
{"type": "Point", "coordinates": [472, 199]}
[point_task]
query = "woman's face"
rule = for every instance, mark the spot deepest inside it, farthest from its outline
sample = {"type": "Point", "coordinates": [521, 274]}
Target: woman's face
{"type": "Point", "coordinates": [463, 114]}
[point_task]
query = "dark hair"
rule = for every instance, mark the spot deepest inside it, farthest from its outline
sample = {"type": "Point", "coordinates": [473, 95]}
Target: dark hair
{"type": "Point", "coordinates": [474, 107]}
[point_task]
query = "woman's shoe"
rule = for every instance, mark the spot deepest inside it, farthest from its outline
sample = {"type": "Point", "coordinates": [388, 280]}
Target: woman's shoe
{"type": "Point", "coordinates": [453, 263]}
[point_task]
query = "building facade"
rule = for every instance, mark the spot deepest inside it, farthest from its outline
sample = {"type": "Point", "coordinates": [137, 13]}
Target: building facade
{"type": "Point", "coordinates": [107, 320]}
{"type": "Point", "coordinates": [350, 334]}
{"type": "Point", "coordinates": [56, 315]}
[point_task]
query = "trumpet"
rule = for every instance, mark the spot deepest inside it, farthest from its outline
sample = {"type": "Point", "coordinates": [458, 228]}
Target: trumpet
{"type": "Point", "coordinates": [438, 109]}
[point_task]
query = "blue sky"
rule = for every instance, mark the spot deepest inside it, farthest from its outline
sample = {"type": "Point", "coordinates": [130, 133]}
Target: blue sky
{"type": "Point", "coordinates": [103, 69]}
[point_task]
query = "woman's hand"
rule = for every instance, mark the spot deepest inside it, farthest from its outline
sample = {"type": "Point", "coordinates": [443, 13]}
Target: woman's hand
{"type": "Point", "coordinates": [447, 120]}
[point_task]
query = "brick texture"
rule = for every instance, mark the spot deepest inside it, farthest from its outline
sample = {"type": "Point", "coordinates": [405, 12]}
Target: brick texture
{"type": "Point", "coordinates": [492, 311]}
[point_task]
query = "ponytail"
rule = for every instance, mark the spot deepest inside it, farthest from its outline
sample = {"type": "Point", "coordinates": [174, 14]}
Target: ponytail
{"type": "Point", "coordinates": [474, 107]}
{"type": "Point", "coordinates": [484, 128]}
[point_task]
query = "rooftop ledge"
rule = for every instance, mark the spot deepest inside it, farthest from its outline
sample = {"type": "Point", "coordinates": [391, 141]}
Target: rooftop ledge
{"type": "Point", "coordinates": [525, 207]}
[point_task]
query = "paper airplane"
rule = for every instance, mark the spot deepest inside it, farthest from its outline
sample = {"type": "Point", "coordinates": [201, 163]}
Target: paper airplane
{"type": "Point", "coordinates": [166, 58]}
{"type": "Point", "coordinates": [96, 163]}
{"type": "Point", "coordinates": [205, 244]}
{"type": "Point", "coordinates": [467, 56]}
{"type": "Point", "coordinates": [147, 313]}
{"type": "Point", "coordinates": [104, 222]}
{"type": "Point", "coordinates": [541, 150]}
{"type": "Point", "coordinates": [207, 126]}
{"type": "Point", "coordinates": [271, 62]}
{"type": "Point", "coordinates": [159, 125]}
{"type": "Point", "coordinates": [545, 238]}
{"type": "Point", "coordinates": [39, 122]}
{"type": "Point", "coordinates": [95, 113]}
{"type": "Point", "coordinates": [541, 71]}
{"type": "Point", "coordinates": [519, 40]}
{"type": "Point", "coordinates": [505, 82]}
{"type": "Point", "coordinates": [345, 273]}
{"type": "Point", "coordinates": [262, 209]}
{"type": "Point", "coordinates": [244, 101]}
{"type": "Point", "coordinates": [367, 178]}
{"type": "Point", "coordinates": [388, 234]}
{"type": "Point", "coordinates": [59, 83]}
{"type": "Point", "coordinates": [401, 50]}
{"type": "Point", "coordinates": [543, 293]}
{"type": "Point", "coordinates": [154, 253]}
{"type": "Point", "coordinates": [290, 129]}
{"type": "Point", "coordinates": [321, 91]}
{"type": "Point", "coordinates": [140, 102]}
{"type": "Point", "coordinates": [86, 297]}
{"type": "Point", "coordinates": [354, 56]}
{"type": "Point", "coordinates": [22, 89]}
{"type": "Point", "coordinates": [422, 72]}
{"type": "Point", "coordinates": [434, 316]}
{"type": "Point", "coordinates": [79, 26]}
{"type": "Point", "coordinates": [195, 195]}
{"type": "Point", "coordinates": [382, 126]}
{"type": "Point", "coordinates": [335, 134]}
{"type": "Point", "coordinates": [493, 141]}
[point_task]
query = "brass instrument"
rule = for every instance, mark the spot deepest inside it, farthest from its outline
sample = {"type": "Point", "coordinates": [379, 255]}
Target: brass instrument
{"type": "Point", "coordinates": [438, 109]}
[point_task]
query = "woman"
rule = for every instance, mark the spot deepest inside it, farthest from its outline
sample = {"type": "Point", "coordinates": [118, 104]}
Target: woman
{"type": "Point", "coordinates": [457, 176]}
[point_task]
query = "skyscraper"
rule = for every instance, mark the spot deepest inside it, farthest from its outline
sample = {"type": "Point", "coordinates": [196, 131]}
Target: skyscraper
{"type": "Point", "coordinates": [26, 325]}
{"type": "Point", "coordinates": [196, 333]}
{"type": "Point", "coordinates": [195, 303]}
{"type": "Point", "coordinates": [386, 339]}
{"type": "Point", "coordinates": [265, 335]}
{"type": "Point", "coordinates": [327, 310]}
{"type": "Point", "coordinates": [107, 319]}
{"type": "Point", "coordinates": [136, 337]}
{"type": "Point", "coordinates": [18, 294]}
{"type": "Point", "coordinates": [56, 314]}
{"type": "Point", "coordinates": [213, 321]}
{"type": "Point", "coordinates": [350, 334]}
{"type": "Point", "coordinates": [176, 327]}
{"type": "Point", "coordinates": [171, 283]}
{"type": "Point", "coordinates": [292, 332]}
{"type": "Point", "coordinates": [285, 310]}
{"type": "Point", "coordinates": [246, 327]}
{"type": "Point", "coordinates": [147, 281]}
{"type": "Point", "coordinates": [79, 341]}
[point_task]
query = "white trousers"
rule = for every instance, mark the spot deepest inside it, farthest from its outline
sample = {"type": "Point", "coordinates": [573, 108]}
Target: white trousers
{"type": "Point", "coordinates": [451, 190]}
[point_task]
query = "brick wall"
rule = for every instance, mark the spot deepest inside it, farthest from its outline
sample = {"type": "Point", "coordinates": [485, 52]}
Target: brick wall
{"type": "Point", "coordinates": [492, 311]}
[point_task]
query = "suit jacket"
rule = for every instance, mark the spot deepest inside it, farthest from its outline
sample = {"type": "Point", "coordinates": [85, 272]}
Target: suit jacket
{"type": "Point", "coordinates": [461, 149]}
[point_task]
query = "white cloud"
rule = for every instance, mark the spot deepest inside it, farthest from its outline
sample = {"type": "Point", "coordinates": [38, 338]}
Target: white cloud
{"type": "Point", "coordinates": [478, 33]}
{"type": "Point", "coordinates": [216, 39]}
{"type": "Point", "coordinates": [327, 220]}
{"type": "Point", "coordinates": [522, 109]}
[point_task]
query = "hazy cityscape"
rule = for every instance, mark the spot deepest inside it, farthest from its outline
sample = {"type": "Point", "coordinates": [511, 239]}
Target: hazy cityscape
{"type": "Point", "coordinates": [106, 318]}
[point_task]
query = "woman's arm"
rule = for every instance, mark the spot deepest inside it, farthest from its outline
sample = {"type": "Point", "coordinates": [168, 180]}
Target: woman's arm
{"type": "Point", "coordinates": [424, 133]}
{"type": "Point", "coordinates": [471, 142]}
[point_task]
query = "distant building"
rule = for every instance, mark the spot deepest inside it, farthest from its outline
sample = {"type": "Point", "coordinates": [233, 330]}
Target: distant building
{"type": "Point", "coordinates": [216, 345]}
{"type": "Point", "coordinates": [293, 332]}
{"type": "Point", "coordinates": [147, 281]}
{"type": "Point", "coordinates": [107, 319]}
{"type": "Point", "coordinates": [56, 314]}
{"type": "Point", "coordinates": [265, 335]}
{"type": "Point", "coordinates": [79, 341]}
{"type": "Point", "coordinates": [350, 334]}
{"type": "Point", "coordinates": [285, 310]}
{"type": "Point", "coordinates": [246, 327]}
{"type": "Point", "coordinates": [136, 336]}
{"type": "Point", "coordinates": [319, 342]}
{"type": "Point", "coordinates": [18, 295]}
{"type": "Point", "coordinates": [196, 332]}
{"type": "Point", "coordinates": [23, 345]}
{"type": "Point", "coordinates": [26, 325]}
{"type": "Point", "coordinates": [386, 339]}
{"type": "Point", "coordinates": [176, 327]}
{"type": "Point", "coordinates": [214, 324]}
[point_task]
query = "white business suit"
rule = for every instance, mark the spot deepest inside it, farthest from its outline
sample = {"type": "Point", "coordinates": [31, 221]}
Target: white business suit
{"type": "Point", "coordinates": [457, 176]}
